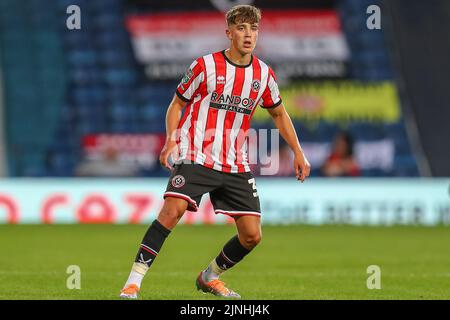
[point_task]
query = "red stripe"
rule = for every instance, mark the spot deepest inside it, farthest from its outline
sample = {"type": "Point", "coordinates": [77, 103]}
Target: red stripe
{"type": "Point", "coordinates": [211, 122]}
{"type": "Point", "coordinates": [240, 140]}
{"type": "Point", "coordinates": [185, 115]}
{"type": "Point", "coordinates": [183, 119]}
{"type": "Point", "coordinates": [239, 78]}
{"type": "Point", "coordinates": [194, 116]}
{"type": "Point", "coordinates": [188, 108]}
{"type": "Point", "coordinates": [193, 204]}
{"type": "Point", "coordinates": [142, 247]}
{"type": "Point", "coordinates": [267, 95]}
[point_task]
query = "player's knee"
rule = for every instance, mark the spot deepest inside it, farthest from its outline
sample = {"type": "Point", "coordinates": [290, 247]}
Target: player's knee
{"type": "Point", "coordinates": [169, 215]}
{"type": "Point", "coordinates": [252, 240]}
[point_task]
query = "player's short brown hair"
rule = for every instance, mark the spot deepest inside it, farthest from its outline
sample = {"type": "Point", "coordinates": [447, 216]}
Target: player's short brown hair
{"type": "Point", "coordinates": [243, 13]}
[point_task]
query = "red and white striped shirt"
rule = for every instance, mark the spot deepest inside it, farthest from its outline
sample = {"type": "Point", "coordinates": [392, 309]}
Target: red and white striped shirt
{"type": "Point", "coordinates": [221, 99]}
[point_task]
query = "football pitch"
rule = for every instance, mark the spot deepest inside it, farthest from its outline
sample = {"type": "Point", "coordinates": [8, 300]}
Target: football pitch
{"type": "Point", "coordinates": [291, 262]}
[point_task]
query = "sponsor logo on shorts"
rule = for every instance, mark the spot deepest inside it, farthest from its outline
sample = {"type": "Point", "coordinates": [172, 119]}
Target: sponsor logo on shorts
{"type": "Point", "coordinates": [178, 181]}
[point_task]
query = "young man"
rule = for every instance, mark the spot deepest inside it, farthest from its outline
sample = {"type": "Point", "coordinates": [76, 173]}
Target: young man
{"type": "Point", "coordinates": [220, 91]}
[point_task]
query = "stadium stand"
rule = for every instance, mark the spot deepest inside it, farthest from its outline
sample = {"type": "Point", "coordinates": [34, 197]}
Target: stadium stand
{"type": "Point", "coordinates": [88, 82]}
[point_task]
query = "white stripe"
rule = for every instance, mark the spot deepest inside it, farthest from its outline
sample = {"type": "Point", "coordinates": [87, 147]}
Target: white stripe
{"type": "Point", "coordinates": [237, 123]}
{"type": "Point", "coordinates": [245, 155]}
{"type": "Point", "coordinates": [204, 108]}
{"type": "Point", "coordinates": [193, 64]}
{"type": "Point", "coordinates": [226, 257]}
{"type": "Point", "coordinates": [194, 86]}
{"type": "Point", "coordinates": [149, 248]}
{"type": "Point", "coordinates": [170, 193]}
{"type": "Point", "coordinates": [210, 66]}
{"type": "Point", "coordinates": [218, 136]}
{"type": "Point", "coordinates": [274, 93]}
{"type": "Point", "coordinates": [184, 141]}
{"type": "Point", "coordinates": [184, 132]}
{"type": "Point", "coordinates": [237, 212]}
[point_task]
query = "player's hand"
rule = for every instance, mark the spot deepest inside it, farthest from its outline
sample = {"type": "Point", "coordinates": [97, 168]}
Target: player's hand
{"type": "Point", "coordinates": [302, 166]}
{"type": "Point", "coordinates": [166, 152]}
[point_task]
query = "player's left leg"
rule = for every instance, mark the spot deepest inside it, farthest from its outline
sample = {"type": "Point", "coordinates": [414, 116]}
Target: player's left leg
{"type": "Point", "coordinates": [248, 237]}
{"type": "Point", "coordinates": [239, 199]}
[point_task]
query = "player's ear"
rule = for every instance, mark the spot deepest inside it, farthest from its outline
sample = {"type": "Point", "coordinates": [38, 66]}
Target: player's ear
{"type": "Point", "coordinates": [228, 33]}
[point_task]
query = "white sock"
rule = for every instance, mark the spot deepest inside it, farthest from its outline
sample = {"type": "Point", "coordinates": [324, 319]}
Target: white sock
{"type": "Point", "coordinates": [212, 272]}
{"type": "Point", "coordinates": [137, 273]}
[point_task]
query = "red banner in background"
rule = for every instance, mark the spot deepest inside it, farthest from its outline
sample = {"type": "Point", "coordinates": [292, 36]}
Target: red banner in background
{"type": "Point", "coordinates": [298, 22]}
{"type": "Point", "coordinates": [142, 150]}
{"type": "Point", "coordinates": [166, 43]}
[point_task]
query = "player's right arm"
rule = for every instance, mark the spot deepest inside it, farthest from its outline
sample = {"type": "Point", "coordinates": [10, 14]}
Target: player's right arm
{"type": "Point", "coordinates": [186, 90]}
{"type": "Point", "coordinates": [173, 116]}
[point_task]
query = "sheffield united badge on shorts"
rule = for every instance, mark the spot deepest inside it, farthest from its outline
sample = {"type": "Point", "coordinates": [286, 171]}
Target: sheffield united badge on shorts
{"type": "Point", "coordinates": [178, 181]}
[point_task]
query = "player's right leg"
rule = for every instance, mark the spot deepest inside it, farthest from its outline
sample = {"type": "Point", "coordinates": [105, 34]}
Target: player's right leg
{"type": "Point", "coordinates": [186, 185]}
{"type": "Point", "coordinates": [171, 212]}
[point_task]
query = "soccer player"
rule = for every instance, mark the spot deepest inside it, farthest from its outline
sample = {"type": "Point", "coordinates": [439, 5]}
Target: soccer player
{"type": "Point", "coordinates": [220, 92]}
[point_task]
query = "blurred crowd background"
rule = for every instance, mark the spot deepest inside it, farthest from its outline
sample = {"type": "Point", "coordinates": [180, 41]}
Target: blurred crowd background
{"type": "Point", "coordinates": [365, 101]}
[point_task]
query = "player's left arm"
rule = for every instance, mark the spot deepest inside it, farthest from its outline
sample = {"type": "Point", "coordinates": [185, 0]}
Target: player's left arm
{"type": "Point", "coordinates": [284, 124]}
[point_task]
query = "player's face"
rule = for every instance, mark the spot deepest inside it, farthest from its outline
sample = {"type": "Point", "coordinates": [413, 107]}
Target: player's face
{"type": "Point", "coordinates": [243, 36]}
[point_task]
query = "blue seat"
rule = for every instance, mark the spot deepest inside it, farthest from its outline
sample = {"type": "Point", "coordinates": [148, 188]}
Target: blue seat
{"type": "Point", "coordinates": [149, 112]}
{"type": "Point", "coordinates": [63, 4]}
{"type": "Point", "coordinates": [306, 132]}
{"type": "Point", "coordinates": [62, 166]}
{"type": "Point", "coordinates": [86, 76]}
{"type": "Point", "coordinates": [108, 20]}
{"type": "Point", "coordinates": [120, 95]}
{"type": "Point", "coordinates": [397, 133]}
{"type": "Point", "coordinates": [366, 131]}
{"type": "Point", "coordinates": [11, 6]}
{"type": "Point", "coordinates": [82, 58]}
{"type": "Point", "coordinates": [157, 126]}
{"type": "Point", "coordinates": [91, 126]}
{"type": "Point", "coordinates": [375, 173]}
{"type": "Point", "coordinates": [115, 58]}
{"type": "Point", "coordinates": [120, 77]}
{"type": "Point", "coordinates": [77, 40]}
{"type": "Point", "coordinates": [89, 111]}
{"type": "Point", "coordinates": [326, 131]}
{"type": "Point", "coordinates": [122, 127]}
{"type": "Point", "coordinates": [89, 95]}
{"type": "Point", "coordinates": [405, 166]}
{"type": "Point", "coordinates": [125, 112]}
{"type": "Point", "coordinates": [102, 6]}
{"type": "Point", "coordinates": [113, 40]}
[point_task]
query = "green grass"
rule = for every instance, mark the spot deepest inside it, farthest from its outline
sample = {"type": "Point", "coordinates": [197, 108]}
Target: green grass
{"type": "Point", "coordinates": [292, 262]}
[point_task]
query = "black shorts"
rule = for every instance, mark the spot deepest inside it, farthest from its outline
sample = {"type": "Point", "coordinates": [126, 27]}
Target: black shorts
{"type": "Point", "coordinates": [232, 194]}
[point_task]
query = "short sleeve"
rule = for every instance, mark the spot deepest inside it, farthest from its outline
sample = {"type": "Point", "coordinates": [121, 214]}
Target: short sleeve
{"type": "Point", "coordinates": [271, 96]}
{"type": "Point", "coordinates": [191, 81]}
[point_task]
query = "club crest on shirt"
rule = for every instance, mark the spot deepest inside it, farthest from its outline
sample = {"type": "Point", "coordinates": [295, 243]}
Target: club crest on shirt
{"type": "Point", "coordinates": [256, 84]}
{"type": "Point", "coordinates": [178, 181]}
